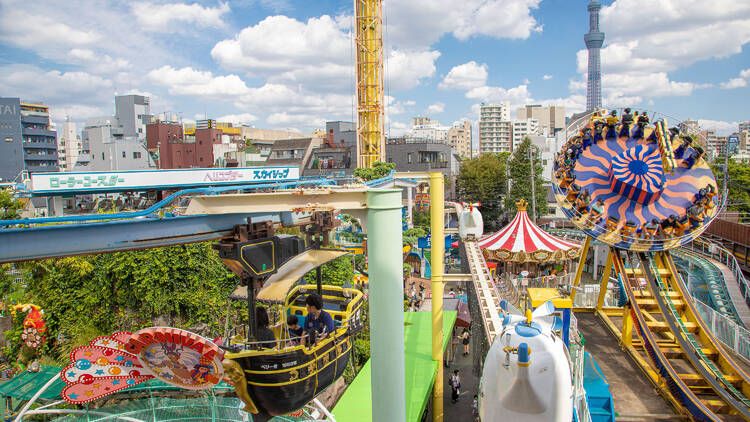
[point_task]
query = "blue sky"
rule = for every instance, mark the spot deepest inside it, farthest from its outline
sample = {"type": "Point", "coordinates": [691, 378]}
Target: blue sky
{"type": "Point", "coordinates": [288, 64]}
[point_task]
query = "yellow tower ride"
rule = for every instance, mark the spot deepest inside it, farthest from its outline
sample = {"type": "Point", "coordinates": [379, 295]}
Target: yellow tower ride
{"type": "Point", "coordinates": [369, 42]}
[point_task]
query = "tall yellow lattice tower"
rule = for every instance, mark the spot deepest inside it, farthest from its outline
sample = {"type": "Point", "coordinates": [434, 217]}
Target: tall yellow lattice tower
{"type": "Point", "coordinates": [369, 43]}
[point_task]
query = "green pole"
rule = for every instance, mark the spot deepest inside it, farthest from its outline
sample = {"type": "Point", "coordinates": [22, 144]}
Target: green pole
{"type": "Point", "coordinates": [386, 297]}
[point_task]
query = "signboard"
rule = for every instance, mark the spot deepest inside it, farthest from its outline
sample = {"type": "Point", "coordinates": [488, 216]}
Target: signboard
{"type": "Point", "coordinates": [140, 180]}
{"type": "Point", "coordinates": [426, 242]}
{"type": "Point", "coordinates": [733, 144]}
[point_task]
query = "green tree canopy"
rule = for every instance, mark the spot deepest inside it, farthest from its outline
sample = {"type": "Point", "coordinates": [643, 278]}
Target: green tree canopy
{"type": "Point", "coordinates": [520, 176]}
{"type": "Point", "coordinates": [10, 207]}
{"type": "Point", "coordinates": [484, 179]}
{"type": "Point", "coordinates": [739, 185]}
{"type": "Point", "coordinates": [378, 170]}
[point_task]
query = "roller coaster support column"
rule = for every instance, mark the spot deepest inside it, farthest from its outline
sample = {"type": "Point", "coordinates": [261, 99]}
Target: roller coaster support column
{"type": "Point", "coordinates": [437, 232]}
{"type": "Point", "coordinates": [627, 326]}
{"type": "Point", "coordinates": [384, 245]}
{"type": "Point", "coordinates": [604, 284]}
{"type": "Point", "coordinates": [581, 264]}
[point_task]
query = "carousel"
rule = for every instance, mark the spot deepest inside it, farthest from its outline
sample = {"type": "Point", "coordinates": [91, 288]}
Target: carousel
{"type": "Point", "coordinates": [523, 248]}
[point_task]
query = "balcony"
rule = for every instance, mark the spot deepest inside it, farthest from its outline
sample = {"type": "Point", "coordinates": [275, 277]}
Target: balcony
{"type": "Point", "coordinates": [28, 131]}
{"type": "Point", "coordinates": [36, 143]}
{"type": "Point", "coordinates": [38, 119]}
{"type": "Point", "coordinates": [40, 157]}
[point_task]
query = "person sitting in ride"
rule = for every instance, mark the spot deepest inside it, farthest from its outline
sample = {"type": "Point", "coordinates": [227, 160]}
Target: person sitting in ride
{"type": "Point", "coordinates": [669, 225]}
{"type": "Point", "coordinates": [588, 140]}
{"type": "Point", "coordinates": [628, 229]}
{"type": "Point", "coordinates": [694, 154]}
{"type": "Point", "coordinates": [700, 195]}
{"type": "Point", "coordinates": [684, 144]}
{"type": "Point", "coordinates": [627, 122]}
{"type": "Point", "coordinates": [683, 223]}
{"type": "Point", "coordinates": [597, 208]}
{"type": "Point", "coordinates": [573, 192]}
{"type": "Point", "coordinates": [319, 323]}
{"type": "Point", "coordinates": [264, 337]}
{"type": "Point", "coordinates": [567, 181]}
{"type": "Point", "coordinates": [651, 229]}
{"type": "Point", "coordinates": [695, 214]}
{"type": "Point", "coordinates": [583, 201]}
{"type": "Point", "coordinates": [612, 121]}
{"type": "Point", "coordinates": [295, 331]}
{"type": "Point", "coordinates": [598, 129]}
{"type": "Point", "coordinates": [640, 126]}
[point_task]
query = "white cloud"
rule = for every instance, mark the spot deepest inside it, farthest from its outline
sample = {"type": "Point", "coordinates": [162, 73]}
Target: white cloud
{"type": "Point", "coordinates": [17, 23]}
{"type": "Point", "coordinates": [188, 81]}
{"type": "Point", "coordinates": [238, 118]}
{"type": "Point", "coordinates": [547, 77]}
{"type": "Point", "coordinates": [739, 82]}
{"type": "Point", "coordinates": [722, 128]}
{"type": "Point", "coordinates": [418, 24]}
{"type": "Point", "coordinates": [405, 69]}
{"type": "Point", "coordinates": [285, 119]}
{"type": "Point", "coordinates": [394, 106]}
{"type": "Point", "coordinates": [465, 76]}
{"type": "Point", "coordinates": [517, 96]}
{"type": "Point", "coordinates": [31, 82]}
{"type": "Point", "coordinates": [178, 17]}
{"type": "Point", "coordinates": [436, 108]}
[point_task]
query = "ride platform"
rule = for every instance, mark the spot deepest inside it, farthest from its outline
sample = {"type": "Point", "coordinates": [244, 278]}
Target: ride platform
{"type": "Point", "coordinates": [356, 403]}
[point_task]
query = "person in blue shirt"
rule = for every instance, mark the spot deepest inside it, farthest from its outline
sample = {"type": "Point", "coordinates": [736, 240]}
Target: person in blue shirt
{"type": "Point", "coordinates": [319, 323]}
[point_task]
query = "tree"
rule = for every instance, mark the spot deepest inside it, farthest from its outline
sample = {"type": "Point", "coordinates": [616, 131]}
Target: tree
{"type": "Point", "coordinates": [9, 207]}
{"type": "Point", "coordinates": [520, 176]}
{"type": "Point", "coordinates": [337, 272]}
{"type": "Point", "coordinates": [484, 179]}
{"type": "Point", "coordinates": [378, 170]}
{"type": "Point", "coordinates": [739, 182]}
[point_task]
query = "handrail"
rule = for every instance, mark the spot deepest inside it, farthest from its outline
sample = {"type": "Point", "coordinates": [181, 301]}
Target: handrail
{"type": "Point", "coordinates": [725, 257]}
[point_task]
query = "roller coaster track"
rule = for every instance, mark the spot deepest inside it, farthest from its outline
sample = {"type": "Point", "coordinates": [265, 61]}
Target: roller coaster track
{"type": "Point", "coordinates": [489, 301]}
{"type": "Point", "coordinates": [697, 372]}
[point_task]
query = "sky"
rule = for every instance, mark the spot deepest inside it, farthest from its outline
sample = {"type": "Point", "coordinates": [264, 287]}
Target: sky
{"type": "Point", "coordinates": [289, 63]}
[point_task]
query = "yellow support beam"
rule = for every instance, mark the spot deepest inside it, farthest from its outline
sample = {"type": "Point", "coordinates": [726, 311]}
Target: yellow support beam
{"type": "Point", "coordinates": [627, 327]}
{"type": "Point", "coordinates": [581, 264]}
{"type": "Point", "coordinates": [369, 45]}
{"type": "Point", "coordinates": [437, 205]}
{"type": "Point", "coordinates": [604, 284]}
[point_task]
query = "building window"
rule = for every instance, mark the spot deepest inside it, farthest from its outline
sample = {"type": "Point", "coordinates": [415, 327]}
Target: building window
{"type": "Point", "coordinates": [123, 154]}
{"type": "Point", "coordinates": [408, 158]}
{"type": "Point", "coordinates": [201, 159]}
{"type": "Point", "coordinates": [136, 155]}
{"type": "Point", "coordinates": [102, 156]}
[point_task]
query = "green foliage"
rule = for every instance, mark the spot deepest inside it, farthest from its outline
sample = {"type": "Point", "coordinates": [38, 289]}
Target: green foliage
{"type": "Point", "coordinates": [739, 185]}
{"type": "Point", "coordinates": [95, 295]}
{"type": "Point", "coordinates": [520, 175]}
{"type": "Point", "coordinates": [10, 207]}
{"type": "Point", "coordinates": [421, 219]}
{"type": "Point", "coordinates": [337, 272]}
{"type": "Point", "coordinates": [484, 179]}
{"type": "Point", "coordinates": [378, 170]}
{"type": "Point", "coordinates": [410, 236]}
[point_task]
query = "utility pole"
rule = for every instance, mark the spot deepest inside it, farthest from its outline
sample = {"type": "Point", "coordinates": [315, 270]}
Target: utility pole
{"type": "Point", "coordinates": [533, 184]}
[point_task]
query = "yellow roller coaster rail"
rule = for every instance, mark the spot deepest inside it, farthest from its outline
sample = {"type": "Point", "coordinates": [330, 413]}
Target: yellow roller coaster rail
{"type": "Point", "coordinates": [662, 331]}
{"type": "Point", "coordinates": [369, 44]}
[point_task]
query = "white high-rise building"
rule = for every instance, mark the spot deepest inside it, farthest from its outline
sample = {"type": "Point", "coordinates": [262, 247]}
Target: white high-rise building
{"type": "Point", "coordinates": [744, 126]}
{"type": "Point", "coordinates": [427, 129]}
{"type": "Point", "coordinates": [551, 118]}
{"type": "Point", "coordinates": [69, 146]}
{"type": "Point", "coordinates": [459, 137]}
{"type": "Point", "coordinates": [133, 112]}
{"type": "Point", "coordinates": [524, 128]}
{"type": "Point", "coordinates": [495, 128]}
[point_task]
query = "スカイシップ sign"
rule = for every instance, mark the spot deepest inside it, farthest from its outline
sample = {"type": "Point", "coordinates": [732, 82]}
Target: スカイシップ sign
{"type": "Point", "coordinates": [76, 182]}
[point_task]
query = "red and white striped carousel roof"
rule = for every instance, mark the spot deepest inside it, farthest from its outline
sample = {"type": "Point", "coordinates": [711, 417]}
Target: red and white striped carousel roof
{"type": "Point", "coordinates": [522, 235]}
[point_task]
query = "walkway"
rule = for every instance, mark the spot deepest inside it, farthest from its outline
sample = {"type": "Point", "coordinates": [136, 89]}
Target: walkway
{"type": "Point", "coordinates": [635, 398]}
{"type": "Point", "coordinates": [733, 288]}
{"type": "Point", "coordinates": [460, 411]}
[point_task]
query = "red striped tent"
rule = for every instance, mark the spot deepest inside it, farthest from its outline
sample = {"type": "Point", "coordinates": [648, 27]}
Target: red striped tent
{"type": "Point", "coordinates": [524, 241]}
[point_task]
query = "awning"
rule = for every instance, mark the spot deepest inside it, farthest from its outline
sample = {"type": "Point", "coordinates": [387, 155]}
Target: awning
{"type": "Point", "coordinates": [278, 285]}
{"type": "Point", "coordinates": [24, 385]}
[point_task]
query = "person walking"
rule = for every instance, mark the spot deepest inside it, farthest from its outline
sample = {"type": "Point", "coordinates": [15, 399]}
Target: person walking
{"type": "Point", "coordinates": [455, 383]}
{"type": "Point", "coordinates": [465, 339]}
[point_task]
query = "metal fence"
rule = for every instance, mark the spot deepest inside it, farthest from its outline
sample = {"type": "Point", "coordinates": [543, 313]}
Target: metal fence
{"type": "Point", "coordinates": [587, 295]}
{"type": "Point", "coordinates": [725, 330]}
{"type": "Point", "coordinates": [714, 251]}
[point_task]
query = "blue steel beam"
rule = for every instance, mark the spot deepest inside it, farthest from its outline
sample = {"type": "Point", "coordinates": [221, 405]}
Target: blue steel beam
{"type": "Point", "coordinates": [92, 238]}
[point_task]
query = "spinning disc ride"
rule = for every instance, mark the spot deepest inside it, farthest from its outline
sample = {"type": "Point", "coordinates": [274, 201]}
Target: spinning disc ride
{"type": "Point", "coordinates": [644, 189]}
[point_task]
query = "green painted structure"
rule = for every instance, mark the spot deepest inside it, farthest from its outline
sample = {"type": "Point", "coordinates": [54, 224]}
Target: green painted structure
{"type": "Point", "coordinates": [356, 403]}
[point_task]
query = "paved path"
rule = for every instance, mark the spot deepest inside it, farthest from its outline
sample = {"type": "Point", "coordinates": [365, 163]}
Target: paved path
{"type": "Point", "coordinates": [460, 411]}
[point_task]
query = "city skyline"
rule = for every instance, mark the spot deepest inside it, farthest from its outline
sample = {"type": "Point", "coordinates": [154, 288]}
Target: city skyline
{"type": "Point", "coordinates": [287, 64]}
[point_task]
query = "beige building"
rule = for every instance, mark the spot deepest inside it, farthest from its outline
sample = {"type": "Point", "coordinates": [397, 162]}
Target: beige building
{"type": "Point", "coordinates": [459, 137]}
{"type": "Point", "coordinates": [524, 128]}
{"type": "Point", "coordinates": [69, 146]}
{"type": "Point", "coordinates": [551, 118]}
{"type": "Point", "coordinates": [495, 129]}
